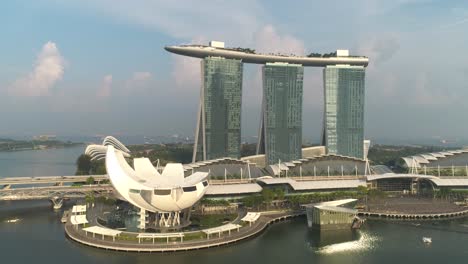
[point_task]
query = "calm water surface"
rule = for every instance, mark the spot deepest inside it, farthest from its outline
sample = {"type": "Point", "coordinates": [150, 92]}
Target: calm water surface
{"type": "Point", "coordinates": [50, 162]}
{"type": "Point", "coordinates": [38, 236]}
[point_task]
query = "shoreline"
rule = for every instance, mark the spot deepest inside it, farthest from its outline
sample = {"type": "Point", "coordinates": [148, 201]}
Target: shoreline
{"type": "Point", "coordinates": [256, 229]}
{"type": "Point", "coordinates": [73, 145]}
{"type": "Point", "coordinates": [408, 216]}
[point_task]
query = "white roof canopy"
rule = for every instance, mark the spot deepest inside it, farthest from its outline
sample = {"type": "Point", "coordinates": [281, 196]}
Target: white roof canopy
{"type": "Point", "coordinates": [78, 219]}
{"type": "Point", "coordinates": [102, 231]}
{"type": "Point", "coordinates": [79, 209]}
{"type": "Point", "coordinates": [221, 229]}
{"type": "Point", "coordinates": [159, 235]}
{"type": "Point", "coordinates": [251, 217]}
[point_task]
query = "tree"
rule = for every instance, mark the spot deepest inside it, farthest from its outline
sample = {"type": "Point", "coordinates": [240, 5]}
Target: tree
{"type": "Point", "coordinates": [89, 198]}
{"type": "Point", "coordinates": [445, 193]}
{"type": "Point", "coordinates": [90, 180]}
{"type": "Point", "coordinates": [375, 193]}
{"type": "Point", "coordinates": [279, 194]}
{"type": "Point", "coordinates": [362, 190]}
{"type": "Point", "coordinates": [268, 195]}
{"type": "Point", "coordinates": [248, 149]}
{"type": "Point", "coordinates": [83, 165]}
{"type": "Point", "coordinates": [252, 201]}
{"type": "Point", "coordinates": [98, 167]}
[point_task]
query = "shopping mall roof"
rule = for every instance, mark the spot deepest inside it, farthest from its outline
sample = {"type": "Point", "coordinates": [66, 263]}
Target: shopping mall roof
{"type": "Point", "coordinates": [315, 185]}
{"type": "Point", "coordinates": [426, 159]}
{"type": "Point", "coordinates": [233, 189]}
{"type": "Point", "coordinates": [440, 182]}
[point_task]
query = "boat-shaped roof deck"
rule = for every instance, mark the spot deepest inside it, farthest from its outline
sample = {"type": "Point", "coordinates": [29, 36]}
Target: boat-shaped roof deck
{"type": "Point", "coordinates": [249, 56]}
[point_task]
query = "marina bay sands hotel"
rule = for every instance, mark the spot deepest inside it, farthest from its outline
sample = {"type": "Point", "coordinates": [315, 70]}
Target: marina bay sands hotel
{"type": "Point", "coordinates": [218, 131]}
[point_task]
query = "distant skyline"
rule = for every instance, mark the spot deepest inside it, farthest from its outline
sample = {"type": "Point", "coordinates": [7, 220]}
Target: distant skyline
{"type": "Point", "coordinates": [98, 66]}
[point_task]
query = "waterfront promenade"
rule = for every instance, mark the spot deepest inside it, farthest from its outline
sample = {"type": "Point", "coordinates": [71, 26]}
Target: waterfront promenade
{"type": "Point", "coordinates": [133, 245]}
{"type": "Point", "coordinates": [413, 208]}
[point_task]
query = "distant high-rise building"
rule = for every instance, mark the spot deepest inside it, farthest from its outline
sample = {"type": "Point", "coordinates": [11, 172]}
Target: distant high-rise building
{"type": "Point", "coordinates": [218, 132]}
{"type": "Point", "coordinates": [343, 130]}
{"type": "Point", "coordinates": [281, 120]}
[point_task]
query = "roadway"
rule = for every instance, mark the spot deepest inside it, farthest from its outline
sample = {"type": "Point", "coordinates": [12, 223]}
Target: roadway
{"type": "Point", "coordinates": [57, 189]}
{"type": "Point", "coordinates": [49, 192]}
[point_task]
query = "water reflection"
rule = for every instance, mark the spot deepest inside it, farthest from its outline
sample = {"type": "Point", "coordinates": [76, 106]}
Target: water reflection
{"type": "Point", "coordinates": [341, 241]}
{"type": "Point", "coordinates": [321, 238]}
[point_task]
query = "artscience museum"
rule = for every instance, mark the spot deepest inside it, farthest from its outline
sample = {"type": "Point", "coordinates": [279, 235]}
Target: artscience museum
{"type": "Point", "coordinates": [164, 199]}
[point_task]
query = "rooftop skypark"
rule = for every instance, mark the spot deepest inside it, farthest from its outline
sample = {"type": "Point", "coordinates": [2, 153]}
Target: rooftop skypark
{"type": "Point", "coordinates": [253, 51]}
{"type": "Point", "coordinates": [247, 55]}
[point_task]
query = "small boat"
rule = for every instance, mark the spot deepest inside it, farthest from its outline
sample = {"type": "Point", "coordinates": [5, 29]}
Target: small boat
{"type": "Point", "coordinates": [427, 240]}
{"type": "Point", "coordinates": [12, 220]}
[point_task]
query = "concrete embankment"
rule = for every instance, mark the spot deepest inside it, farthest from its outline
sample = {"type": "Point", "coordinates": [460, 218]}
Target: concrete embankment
{"type": "Point", "coordinates": [407, 216]}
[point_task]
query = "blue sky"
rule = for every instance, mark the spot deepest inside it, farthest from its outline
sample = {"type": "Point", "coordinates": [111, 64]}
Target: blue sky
{"type": "Point", "coordinates": [85, 67]}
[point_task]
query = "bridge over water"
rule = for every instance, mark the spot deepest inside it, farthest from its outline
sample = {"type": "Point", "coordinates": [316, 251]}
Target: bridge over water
{"type": "Point", "coordinates": [53, 188]}
{"type": "Point", "coordinates": [57, 188]}
{"type": "Point", "coordinates": [57, 180]}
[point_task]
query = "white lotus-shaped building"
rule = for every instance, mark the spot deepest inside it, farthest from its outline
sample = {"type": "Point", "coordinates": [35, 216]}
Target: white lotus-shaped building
{"type": "Point", "coordinates": [167, 194]}
{"type": "Point", "coordinates": [98, 152]}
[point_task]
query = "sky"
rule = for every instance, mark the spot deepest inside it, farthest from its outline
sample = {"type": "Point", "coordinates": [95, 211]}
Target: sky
{"type": "Point", "coordinates": [87, 67]}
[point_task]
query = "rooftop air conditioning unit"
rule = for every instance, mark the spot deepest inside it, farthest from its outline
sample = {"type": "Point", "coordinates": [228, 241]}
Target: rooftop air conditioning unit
{"type": "Point", "coordinates": [217, 44]}
{"type": "Point", "coordinates": [342, 53]}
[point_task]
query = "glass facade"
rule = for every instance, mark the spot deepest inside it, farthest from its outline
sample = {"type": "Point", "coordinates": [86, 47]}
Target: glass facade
{"type": "Point", "coordinates": [343, 130]}
{"type": "Point", "coordinates": [219, 128]}
{"type": "Point", "coordinates": [281, 124]}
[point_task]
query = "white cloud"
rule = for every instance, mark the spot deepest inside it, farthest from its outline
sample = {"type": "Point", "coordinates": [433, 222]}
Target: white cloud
{"type": "Point", "coordinates": [186, 70]}
{"type": "Point", "coordinates": [137, 83]}
{"type": "Point", "coordinates": [105, 88]}
{"type": "Point", "coordinates": [48, 69]}
{"type": "Point", "coordinates": [458, 17]}
{"type": "Point", "coordinates": [134, 85]}
{"type": "Point", "coordinates": [268, 40]}
{"type": "Point", "coordinates": [235, 22]}
{"type": "Point", "coordinates": [141, 76]}
{"type": "Point", "coordinates": [426, 94]}
{"type": "Point", "coordinates": [181, 19]}
{"type": "Point", "coordinates": [382, 82]}
{"type": "Point", "coordinates": [379, 48]}
{"type": "Point", "coordinates": [380, 7]}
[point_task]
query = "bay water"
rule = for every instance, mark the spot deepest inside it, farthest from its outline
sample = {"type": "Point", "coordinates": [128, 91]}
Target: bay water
{"type": "Point", "coordinates": [38, 236]}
